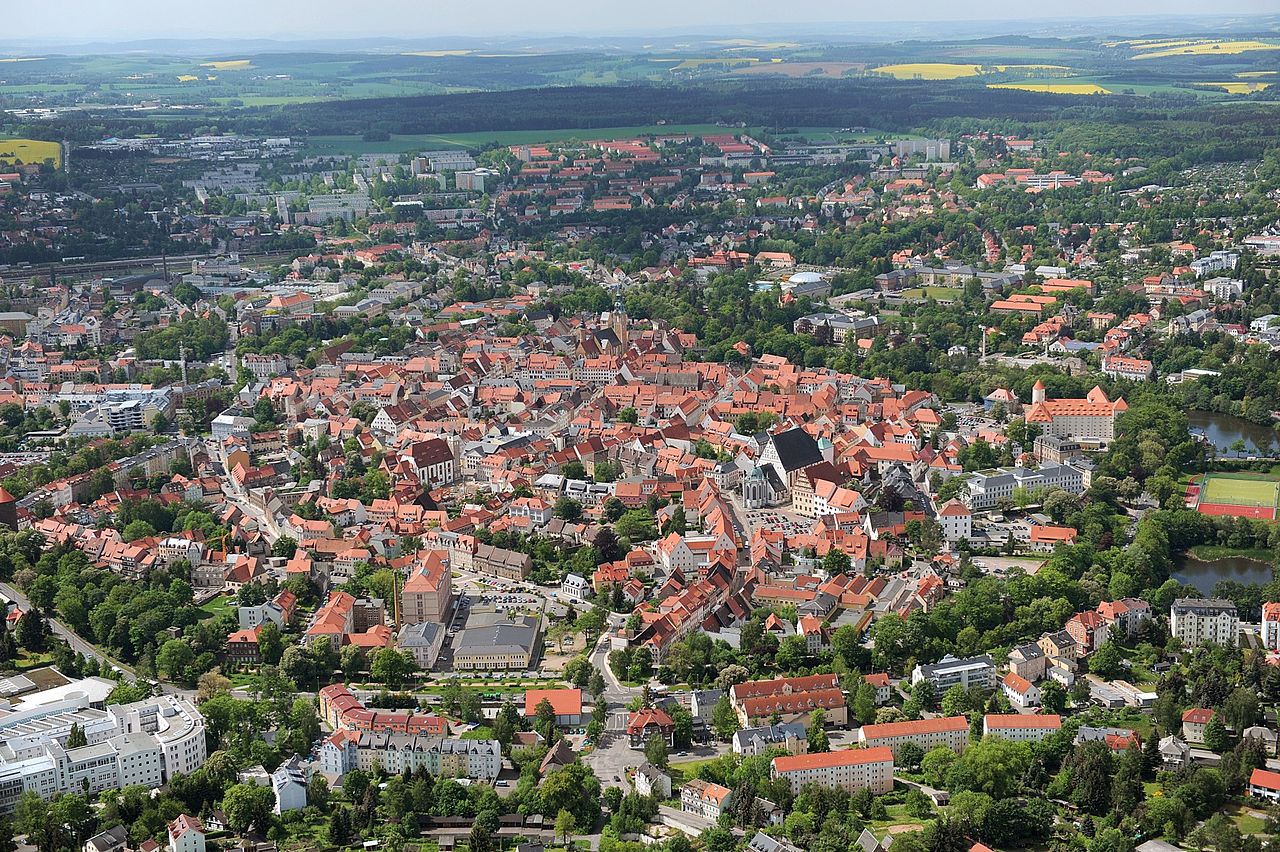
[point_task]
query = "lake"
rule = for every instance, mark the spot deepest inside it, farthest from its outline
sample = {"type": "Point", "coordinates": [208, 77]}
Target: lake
{"type": "Point", "coordinates": [1205, 575]}
{"type": "Point", "coordinates": [1223, 430]}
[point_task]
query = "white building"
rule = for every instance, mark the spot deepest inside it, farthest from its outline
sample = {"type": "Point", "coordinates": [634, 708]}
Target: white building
{"type": "Point", "coordinates": [575, 587]}
{"type": "Point", "coordinates": [951, 671]}
{"type": "Point", "coordinates": [290, 786]}
{"type": "Point", "coordinates": [956, 520]}
{"type": "Point", "coordinates": [849, 769]}
{"type": "Point", "coordinates": [1021, 727]}
{"type": "Point", "coordinates": [1196, 621]}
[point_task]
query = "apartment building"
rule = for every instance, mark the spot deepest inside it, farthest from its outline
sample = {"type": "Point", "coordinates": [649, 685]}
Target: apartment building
{"type": "Point", "coordinates": [951, 671]}
{"type": "Point", "coordinates": [427, 590]}
{"type": "Point", "coordinates": [792, 699]}
{"type": "Point", "coordinates": [949, 731]}
{"type": "Point", "coordinates": [850, 769]}
{"type": "Point", "coordinates": [1195, 621]}
{"type": "Point", "coordinates": [1020, 727]}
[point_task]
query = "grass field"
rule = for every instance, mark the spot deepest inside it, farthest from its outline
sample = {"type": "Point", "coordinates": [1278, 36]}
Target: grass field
{"type": "Point", "coordinates": [939, 293]}
{"type": "Point", "coordinates": [1234, 490]}
{"type": "Point", "coordinates": [1054, 88]}
{"type": "Point", "coordinates": [229, 65]}
{"type": "Point", "coordinates": [929, 71]}
{"type": "Point", "coordinates": [29, 151]}
{"type": "Point", "coordinates": [1163, 50]}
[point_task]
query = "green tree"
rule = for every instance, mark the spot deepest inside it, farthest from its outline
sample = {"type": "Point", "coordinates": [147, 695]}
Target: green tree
{"type": "Point", "coordinates": [655, 751]}
{"type": "Point", "coordinates": [174, 659]}
{"type": "Point", "coordinates": [864, 702]}
{"type": "Point", "coordinates": [1215, 735]}
{"type": "Point", "coordinates": [724, 721]}
{"type": "Point", "coordinates": [392, 667]}
{"type": "Point", "coordinates": [248, 806]}
{"type": "Point", "coordinates": [566, 825]}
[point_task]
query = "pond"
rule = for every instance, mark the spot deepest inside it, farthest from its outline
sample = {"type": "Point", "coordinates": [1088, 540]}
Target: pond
{"type": "Point", "coordinates": [1223, 430]}
{"type": "Point", "coordinates": [1205, 575]}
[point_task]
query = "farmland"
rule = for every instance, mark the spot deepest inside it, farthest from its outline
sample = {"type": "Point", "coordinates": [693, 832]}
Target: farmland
{"type": "Point", "coordinates": [929, 71]}
{"type": "Point", "coordinates": [355, 145]}
{"type": "Point", "coordinates": [1237, 87]}
{"type": "Point", "coordinates": [1189, 47]}
{"type": "Point", "coordinates": [1054, 88]}
{"type": "Point", "coordinates": [29, 151]}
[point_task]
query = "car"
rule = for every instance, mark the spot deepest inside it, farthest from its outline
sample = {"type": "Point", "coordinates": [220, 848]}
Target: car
{"type": "Point", "coordinates": [617, 778]}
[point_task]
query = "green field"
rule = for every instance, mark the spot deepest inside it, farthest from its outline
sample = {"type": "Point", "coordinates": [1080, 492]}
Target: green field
{"type": "Point", "coordinates": [939, 293]}
{"type": "Point", "coordinates": [1237, 490]}
{"type": "Point", "coordinates": [354, 145]}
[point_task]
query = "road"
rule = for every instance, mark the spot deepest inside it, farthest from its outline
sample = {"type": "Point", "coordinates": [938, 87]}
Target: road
{"type": "Point", "coordinates": [69, 636]}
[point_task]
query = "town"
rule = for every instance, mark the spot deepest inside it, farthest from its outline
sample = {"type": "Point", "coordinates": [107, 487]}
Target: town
{"type": "Point", "coordinates": [722, 488]}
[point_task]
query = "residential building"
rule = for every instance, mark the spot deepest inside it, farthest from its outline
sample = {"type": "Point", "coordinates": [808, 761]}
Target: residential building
{"type": "Point", "coordinates": [956, 520]}
{"type": "Point", "coordinates": [650, 722]}
{"type": "Point", "coordinates": [1265, 784]}
{"type": "Point", "coordinates": [649, 780]}
{"type": "Point", "coordinates": [1194, 722]}
{"type": "Point", "coordinates": [1020, 691]}
{"type": "Point", "coordinates": [704, 798]}
{"type": "Point", "coordinates": [290, 786]}
{"type": "Point", "coordinates": [428, 590]}
{"type": "Point", "coordinates": [949, 731]}
{"type": "Point", "coordinates": [1021, 727]}
{"type": "Point", "coordinates": [792, 699]}
{"type": "Point", "coordinates": [186, 834]}
{"type": "Point", "coordinates": [424, 641]}
{"type": "Point", "coordinates": [1194, 621]}
{"type": "Point", "coordinates": [950, 671]}
{"type": "Point", "coordinates": [754, 741]}
{"type": "Point", "coordinates": [1271, 626]}
{"type": "Point", "coordinates": [849, 769]}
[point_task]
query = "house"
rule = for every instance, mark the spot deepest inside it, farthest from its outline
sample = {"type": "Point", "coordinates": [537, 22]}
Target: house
{"type": "Point", "coordinates": [949, 671]}
{"type": "Point", "coordinates": [1126, 616]}
{"type": "Point", "coordinates": [650, 722]}
{"type": "Point", "coordinates": [956, 520]}
{"type": "Point", "coordinates": [1088, 629]}
{"type": "Point", "coordinates": [1271, 626]}
{"type": "Point", "coordinates": [1020, 691]}
{"type": "Point", "coordinates": [1174, 752]}
{"type": "Point", "coordinates": [1194, 621]}
{"type": "Point", "coordinates": [112, 840]}
{"type": "Point", "coordinates": [575, 587]}
{"type": "Point", "coordinates": [1116, 739]}
{"type": "Point", "coordinates": [704, 798]}
{"type": "Point", "coordinates": [1267, 738]}
{"type": "Point", "coordinates": [883, 688]}
{"type": "Point", "coordinates": [649, 780]}
{"type": "Point", "coordinates": [1021, 727]}
{"type": "Point", "coordinates": [567, 704]}
{"type": "Point", "coordinates": [1027, 662]}
{"type": "Point", "coordinates": [762, 842]}
{"type": "Point", "coordinates": [754, 741]}
{"type": "Point", "coordinates": [1265, 784]}
{"type": "Point", "coordinates": [1194, 722]}
{"type": "Point", "coordinates": [849, 769]}
{"type": "Point", "coordinates": [290, 786]}
{"type": "Point", "coordinates": [186, 834]}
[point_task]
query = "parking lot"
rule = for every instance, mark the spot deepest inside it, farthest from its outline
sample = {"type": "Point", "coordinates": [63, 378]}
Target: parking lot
{"type": "Point", "coordinates": [772, 519]}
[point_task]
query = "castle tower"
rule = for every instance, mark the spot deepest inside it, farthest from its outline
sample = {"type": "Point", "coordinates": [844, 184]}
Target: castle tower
{"type": "Point", "coordinates": [1037, 392]}
{"type": "Point", "coordinates": [8, 510]}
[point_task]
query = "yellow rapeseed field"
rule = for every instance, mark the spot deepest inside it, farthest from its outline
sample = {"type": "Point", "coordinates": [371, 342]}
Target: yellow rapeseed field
{"type": "Point", "coordinates": [1054, 88]}
{"type": "Point", "coordinates": [1206, 48]}
{"type": "Point", "coordinates": [930, 71]}
{"type": "Point", "coordinates": [230, 65]}
{"type": "Point", "coordinates": [29, 151]}
{"type": "Point", "coordinates": [1236, 88]}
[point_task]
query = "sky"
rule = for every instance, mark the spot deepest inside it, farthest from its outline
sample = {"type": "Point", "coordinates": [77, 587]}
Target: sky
{"type": "Point", "coordinates": [126, 20]}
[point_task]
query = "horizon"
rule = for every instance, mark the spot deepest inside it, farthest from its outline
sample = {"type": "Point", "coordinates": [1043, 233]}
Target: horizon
{"type": "Point", "coordinates": [88, 23]}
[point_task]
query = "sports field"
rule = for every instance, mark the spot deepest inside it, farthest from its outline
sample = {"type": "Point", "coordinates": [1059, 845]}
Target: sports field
{"type": "Point", "coordinates": [1236, 495]}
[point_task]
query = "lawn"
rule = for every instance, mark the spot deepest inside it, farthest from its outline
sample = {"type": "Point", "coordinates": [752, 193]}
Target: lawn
{"type": "Point", "coordinates": [686, 770]}
{"type": "Point", "coordinates": [1244, 818]}
{"type": "Point", "coordinates": [1237, 490]}
{"type": "Point", "coordinates": [29, 151]}
{"type": "Point", "coordinates": [1211, 552]}
{"type": "Point", "coordinates": [221, 605]}
{"type": "Point", "coordinates": [939, 293]}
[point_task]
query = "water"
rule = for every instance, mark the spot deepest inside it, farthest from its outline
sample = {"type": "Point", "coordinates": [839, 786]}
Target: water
{"type": "Point", "coordinates": [1205, 575]}
{"type": "Point", "coordinates": [1223, 430]}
